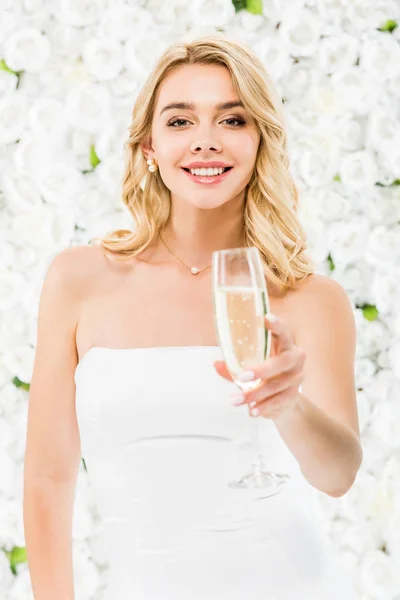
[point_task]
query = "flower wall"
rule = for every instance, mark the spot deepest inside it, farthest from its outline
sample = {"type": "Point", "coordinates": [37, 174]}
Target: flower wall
{"type": "Point", "coordinates": [69, 74]}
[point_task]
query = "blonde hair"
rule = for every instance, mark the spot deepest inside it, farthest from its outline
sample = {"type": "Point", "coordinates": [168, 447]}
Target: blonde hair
{"type": "Point", "coordinates": [270, 215]}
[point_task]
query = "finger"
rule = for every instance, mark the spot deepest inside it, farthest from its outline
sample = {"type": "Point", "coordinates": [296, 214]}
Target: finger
{"type": "Point", "coordinates": [221, 368]}
{"type": "Point", "coordinates": [275, 365]}
{"type": "Point", "coordinates": [280, 330]}
{"type": "Point", "coordinates": [268, 390]}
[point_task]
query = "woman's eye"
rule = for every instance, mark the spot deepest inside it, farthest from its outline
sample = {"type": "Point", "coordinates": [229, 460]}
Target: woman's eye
{"type": "Point", "coordinates": [235, 122]}
{"type": "Point", "coordinates": [172, 123]}
{"type": "Point", "coordinates": [238, 121]}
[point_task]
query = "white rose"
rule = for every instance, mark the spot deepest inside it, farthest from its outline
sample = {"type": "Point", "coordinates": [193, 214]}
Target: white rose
{"type": "Point", "coordinates": [393, 534]}
{"type": "Point", "coordinates": [217, 13]}
{"type": "Point", "coordinates": [141, 53]}
{"type": "Point", "coordinates": [364, 410]}
{"type": "Point", "coordinates": [314, 228]}
{"type": "Point", "coordinates": [378, 576]}
{"type": "Point", "coordinates": [44, 228]}
{"type": "Point", "coordinates": [382, 249]}
{"type": "Point", "coordinates": [80, 12]}
{"type": "Point", "coordinates": [372, 336]}
{"type": "Point", "coordinates": [364, 371]}
{"type": "Point", "coordinates": [47, 116]}
{"type": "Point", "coordinates": [13, 114]}
{"type": "Point", "coordinates": [386, 291]}
{"type": "Point", "coordinates": [357, 537]}
{"type": "Point", "coordinates": [103, 58]}
{"type": "Point", "coordinates": [26, 49]}
{"type": "Point", "coordinates": [111, 139]}
{"type": "Point", "coordinates": [383, 206]}
{"type": "Point", "coordinates": [58, 181]}
{"type": "Point", "coordinates": [274, 55]}
{"type": "Point", "coordinates": [355, 278]}
{"type": "Point", "coordinates": [298, 81]}
{"type": "Point", "coordinates": [375, 454]}
{"type": "Point", "coordinates": [350, 132]}
{"type": "Point", "coordinates": [9, 22]}
{"type": "Point", "coordinates": [369, 15]}
{"type": "Point", "coordinates": [356, 90]}
{"type": "Point", "coordinates": [87, 107]}
{"type": "Point", "coordinates": [110, 172]}
{"type": "Point", "coordinates": [330, 205]}
{"type": "Point", "coordinates": [249, 21]}
{"type": "Point", "coordinates": [348, 239]}
{"type": "Point", "coordinates": [385, 422]}
{"type": "Point", "coordinates": [34, 150]}
{"type": "Point", "coordinates": [394, 359]}
{"type": "Point", "coordinates": [125, 88]}
{"type": "Point", "coordinates": [86, 573]}
{"type": "Point", "coordinates": [319, 160]}
{"type": "Point", "coordinates": [21, 192]}
{"type": "Point", "coordinates": [383, 129]}
{"type": "Point", "coordinates": [21, 586]}
{"type": "Point", "coordinates": [122, 22]}
{"type": "Point", "coordinates": [355, 504]}
{"type": "Point", "coordinates": [67, 40]}
{"type": "Point", "coordinates": [6, 575]}
{"type": "Point", "coordinates": [174, 12]}
{"type": "Point", "coordinates": [336, 53]}
{"type": "Point", "coordinates": [357, 170]}
{"type": "Point", "coordinates": [300, 32]}
{"type": "Point", "coordinates": [8, 83]}
{"type": "Point", "coordinates": [384, 387]}
{"type": "Point", "coordinates": [380, 57]}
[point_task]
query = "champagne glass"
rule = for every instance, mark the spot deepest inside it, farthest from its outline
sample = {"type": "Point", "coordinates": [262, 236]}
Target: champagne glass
{"type": "Point", "coordinates": [241, 301]}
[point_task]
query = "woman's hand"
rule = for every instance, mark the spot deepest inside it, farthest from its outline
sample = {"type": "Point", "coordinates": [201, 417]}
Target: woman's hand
{"type": "Point", "coordinates": [281, 375]}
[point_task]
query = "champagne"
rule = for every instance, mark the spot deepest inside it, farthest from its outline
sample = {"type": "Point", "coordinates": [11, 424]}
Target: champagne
{"type": "Point", "coordinates": [243, 337]}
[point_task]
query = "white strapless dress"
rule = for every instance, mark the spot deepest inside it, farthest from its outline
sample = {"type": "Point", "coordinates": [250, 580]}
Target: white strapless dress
{"type": "Point", "coordinates": [161, 442]}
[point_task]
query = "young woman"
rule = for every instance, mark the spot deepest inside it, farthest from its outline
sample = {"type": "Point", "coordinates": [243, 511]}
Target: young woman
{"type": "Point", "coordinates": [148, 406]}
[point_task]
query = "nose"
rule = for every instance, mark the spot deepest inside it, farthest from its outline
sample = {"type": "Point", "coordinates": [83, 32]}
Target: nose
{"type": "Point", "coordinates": [205, 145]}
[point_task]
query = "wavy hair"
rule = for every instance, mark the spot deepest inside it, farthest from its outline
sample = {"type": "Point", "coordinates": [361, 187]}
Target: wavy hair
{"type": "Point", "coordinates": [270, 215]}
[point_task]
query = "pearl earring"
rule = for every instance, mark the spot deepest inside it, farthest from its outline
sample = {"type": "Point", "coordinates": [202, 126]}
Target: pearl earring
{"type": "Point", "coordinates": [152, 166]}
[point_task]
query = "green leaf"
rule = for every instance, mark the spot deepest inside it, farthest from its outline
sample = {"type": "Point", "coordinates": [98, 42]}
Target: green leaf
{"type": "Point", "coordinates": [254, 6]}
{"type": "Point", "coordinates": [370, 312]}
{"type": "Point", "coordinates": [21, 384]}
{"type": "Point", "coordinates": [337, 177]}
{"type": "Point", "coordinates": [16, 556]}
{"type": "Point", "coordinates": [84, 464]}
{"type": "Point", "coordinates": [3, 67]}
{"type": "Point", "coordinates": [239, 5]}
{"type": "Point", "coordinates": [93, 158]}
{"type": "Point", "coordinates": [330, 262]}
{"type": "Point", "coordinates": [394, 182]}
{"type": "Point", "coordinates": [390, 26]}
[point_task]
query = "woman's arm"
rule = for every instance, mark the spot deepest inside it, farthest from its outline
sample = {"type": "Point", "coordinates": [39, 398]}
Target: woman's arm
{"type": "Point", "coordinates": [53, 453]}
{"type": "Point", "coordinates": [322, 431]}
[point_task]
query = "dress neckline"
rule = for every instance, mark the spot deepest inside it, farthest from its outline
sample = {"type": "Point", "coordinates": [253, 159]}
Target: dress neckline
{"type": "Point", "coordinates": [145, 349]}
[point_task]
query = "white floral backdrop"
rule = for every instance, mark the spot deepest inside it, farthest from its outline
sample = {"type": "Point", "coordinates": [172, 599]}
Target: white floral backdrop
{"type": "Point", "coordinates": [69, 74]}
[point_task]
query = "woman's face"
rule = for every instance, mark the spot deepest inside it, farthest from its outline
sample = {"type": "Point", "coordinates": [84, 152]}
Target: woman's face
{"type": "Point", "coordinates": [202, 132]}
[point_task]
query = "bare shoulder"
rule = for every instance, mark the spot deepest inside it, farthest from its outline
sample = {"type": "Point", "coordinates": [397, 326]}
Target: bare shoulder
{"type": "Point", "coordinates": [319, 298]}
{"type": "Point", "coordinates": [317, 287]}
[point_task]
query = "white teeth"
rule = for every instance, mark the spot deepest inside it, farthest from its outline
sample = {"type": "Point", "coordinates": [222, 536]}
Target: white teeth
{"type": "Point", "coordinates": [207, 172]}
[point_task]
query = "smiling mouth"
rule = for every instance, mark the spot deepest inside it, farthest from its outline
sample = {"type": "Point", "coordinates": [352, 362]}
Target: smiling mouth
{"type": "Point", "coordinates": [224, 170]}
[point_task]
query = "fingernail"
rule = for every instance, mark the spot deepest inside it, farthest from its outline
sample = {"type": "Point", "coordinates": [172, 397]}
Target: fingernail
{"type": "Point", "coordinates": [272, 318]}
{"type": "Point", "coordinates": [255, 412]}
{"type": "Point", "coordinates": [237, 399]}
{"type": "Point", "coordinates": [246, 376]}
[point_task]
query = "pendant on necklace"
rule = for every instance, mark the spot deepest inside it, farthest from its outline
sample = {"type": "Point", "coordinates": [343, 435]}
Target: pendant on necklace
{"type": "Point", "coordinates": [194, 270]}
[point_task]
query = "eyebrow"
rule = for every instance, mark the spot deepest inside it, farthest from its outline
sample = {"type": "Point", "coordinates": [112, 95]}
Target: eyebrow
{"type": "Point", "coordinates": [191, 106]}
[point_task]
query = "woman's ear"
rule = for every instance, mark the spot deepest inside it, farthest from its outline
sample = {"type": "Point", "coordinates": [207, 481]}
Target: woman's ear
{"type": "Point", "coordinates": [146, 148]}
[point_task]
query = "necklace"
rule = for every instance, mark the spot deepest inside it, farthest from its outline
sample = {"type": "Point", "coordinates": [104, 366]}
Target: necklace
{"type": "Point", "coordinates": [193, 270]}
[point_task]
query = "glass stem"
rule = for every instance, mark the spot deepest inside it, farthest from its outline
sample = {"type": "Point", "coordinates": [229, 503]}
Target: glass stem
{"type": "Point", "coordinates": [258, 462]}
